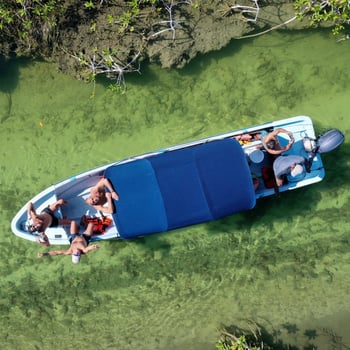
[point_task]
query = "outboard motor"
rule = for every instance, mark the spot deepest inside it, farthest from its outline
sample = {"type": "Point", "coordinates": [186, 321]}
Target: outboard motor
{"type": "Point", "coordinates": [324, 143]}
{"type": "Point", "coordinates": [329, 141]}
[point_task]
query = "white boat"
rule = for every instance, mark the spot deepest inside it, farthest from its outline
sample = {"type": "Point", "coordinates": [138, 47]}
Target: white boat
{"type": "Point", "coordinates": [186, 184]}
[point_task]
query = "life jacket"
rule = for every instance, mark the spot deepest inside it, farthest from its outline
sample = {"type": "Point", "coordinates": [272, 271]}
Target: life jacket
{"type": "Point", "coordinates": [100, 224]}
{"type": "Point", "coordinates": [268, 177]}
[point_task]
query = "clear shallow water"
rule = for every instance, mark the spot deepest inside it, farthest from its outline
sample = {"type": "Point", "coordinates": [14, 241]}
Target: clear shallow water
{"type": "Point", "coordinates": [284, 264]}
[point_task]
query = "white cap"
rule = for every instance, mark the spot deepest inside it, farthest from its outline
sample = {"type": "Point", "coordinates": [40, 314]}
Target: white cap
{"type": "Point", "coordinates": [256, 156]}
{"type": "Point", "coordinates": [75, 258]}
{"type": "Point", "coordinates": [298, 169]}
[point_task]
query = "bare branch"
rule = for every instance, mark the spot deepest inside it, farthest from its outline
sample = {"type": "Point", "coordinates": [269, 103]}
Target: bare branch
{"type": "Point", "coordinates": [244, 10]}
{"type": "Point", "coordinates": [172, 22]}
{"type": "Point", "coordinates": [108, 64]}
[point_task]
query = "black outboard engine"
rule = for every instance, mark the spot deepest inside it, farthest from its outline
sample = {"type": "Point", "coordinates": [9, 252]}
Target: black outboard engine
{"type": "Point", "coordinates": [324, 143]}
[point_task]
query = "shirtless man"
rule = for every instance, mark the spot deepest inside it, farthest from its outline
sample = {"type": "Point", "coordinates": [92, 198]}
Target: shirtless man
{"type": "Point", "coordinates": [271, 142]}
{"type": "Point", "coordinates": [47, 218]}
{"type": "Point", "coordinates": [99, 196]}
{"type": "Point", "coordinates": [78, 243]}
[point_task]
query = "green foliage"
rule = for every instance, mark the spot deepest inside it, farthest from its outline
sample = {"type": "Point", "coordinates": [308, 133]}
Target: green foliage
{"type": "Point", "coordinates": [110, 19]}
{"type": "Point", "coordinates": [250, 338]}
{"type": "Point", "coordinates": [317, 11]}
{"type": "Point", "coordinates": [93, 27]}
{"type": "Point", "coordinates": [6, 17]}
{"type": "Point", "coordinates": [220, 345]}
{"type": "Point", "coordinates": [195, 5]}
{"type": "Point", "coordinates": [235, 343]}
{"type": "Point", "coordinates": [24, 21]}
{"type": "Point", "coordinates": [128, 17]}
{"type": "Point", "coordinates": [115, 88]}
{"type": "Point", "coordinates": [89, 4]}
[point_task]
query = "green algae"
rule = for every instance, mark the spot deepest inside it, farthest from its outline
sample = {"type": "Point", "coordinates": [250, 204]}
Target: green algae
{"type": "Point", "coordinates": [284, 264]}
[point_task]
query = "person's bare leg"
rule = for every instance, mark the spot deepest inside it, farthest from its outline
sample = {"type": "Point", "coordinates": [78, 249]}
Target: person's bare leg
{"type": "Point", "coordinates": [89, 229]}
{"type": "Point", "coordinates": [74, 228]}
{"type": "Point", "coordinates": [57, 204]}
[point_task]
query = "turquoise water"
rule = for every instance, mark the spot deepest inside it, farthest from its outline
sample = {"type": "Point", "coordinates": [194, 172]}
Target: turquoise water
{"type": "Point", "coordinates": [284, 264]}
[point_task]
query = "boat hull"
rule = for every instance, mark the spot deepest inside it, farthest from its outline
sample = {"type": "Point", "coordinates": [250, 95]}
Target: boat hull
{"type": "Point", "coordinates": [202, 167]}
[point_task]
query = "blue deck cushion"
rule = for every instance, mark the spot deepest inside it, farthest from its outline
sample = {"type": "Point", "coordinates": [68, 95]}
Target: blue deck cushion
{"type": "Point", "coordinates": [181, 188]}
{"type": "Point", "coordinates": [225, 177]}
{"type": "Point", "coordinates": [180, 184]}
{"type": "Point", "coordinates": [140, 209]}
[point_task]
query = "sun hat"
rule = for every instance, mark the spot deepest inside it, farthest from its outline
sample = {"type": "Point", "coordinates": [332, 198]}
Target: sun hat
{"type": "Point", "coordinates": [298, 169]}
{"type": "Point", "coordinates": [75, 258]}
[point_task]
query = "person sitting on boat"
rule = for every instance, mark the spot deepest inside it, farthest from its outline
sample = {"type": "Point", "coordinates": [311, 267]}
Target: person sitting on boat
{"type": "Point", "coordinates": [47, 218]}
{"type": "Point", "coordinates": [288, 165]}
{"type": "Point", "coordinates": [78, 243]}
{"type": "Point", "coordinates": [99, 196]}
{"type": "Point", "coordinates": [271, 143]}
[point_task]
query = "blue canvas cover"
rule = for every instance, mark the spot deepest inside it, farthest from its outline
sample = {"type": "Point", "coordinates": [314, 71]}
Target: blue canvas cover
{"type": "Point", "coordinates": [181, 188]}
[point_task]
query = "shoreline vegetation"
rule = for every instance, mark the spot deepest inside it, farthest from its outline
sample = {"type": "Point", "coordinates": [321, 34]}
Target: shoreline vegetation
{"type": "Point", "coordinates": [112, 38]}
{"type": "Point", "coordinates": [249, 335]}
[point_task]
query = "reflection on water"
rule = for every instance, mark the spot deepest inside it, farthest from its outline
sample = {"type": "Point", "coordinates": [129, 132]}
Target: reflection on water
{"type": "Point", "coordinates": [284, 264]}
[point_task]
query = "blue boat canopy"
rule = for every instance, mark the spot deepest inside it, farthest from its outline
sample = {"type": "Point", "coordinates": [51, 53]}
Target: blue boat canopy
{"type": "Point", "coordinates": [182, 187]}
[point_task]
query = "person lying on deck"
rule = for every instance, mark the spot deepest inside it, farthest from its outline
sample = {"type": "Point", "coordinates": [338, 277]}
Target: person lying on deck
{"type": "Point", "coordinates": [78, 243]}
{"type": "Point", "coordinates": [99, 196]}
{"type": "Point", "coordinates": [47, 218]}
{"type": "Point", "coordinates": [247, 138]}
